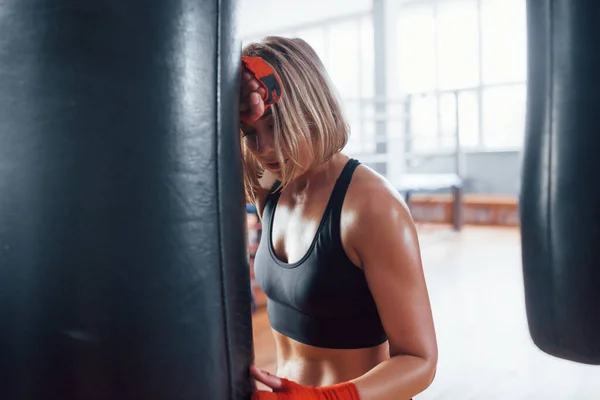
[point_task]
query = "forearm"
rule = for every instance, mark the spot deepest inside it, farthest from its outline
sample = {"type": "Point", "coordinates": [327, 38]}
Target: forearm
{"type": "Point", "coordinates": [398, 378]}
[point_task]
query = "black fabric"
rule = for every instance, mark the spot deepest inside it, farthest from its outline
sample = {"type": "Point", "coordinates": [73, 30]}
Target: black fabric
{"type": "Point", "coordinates": [560, 194]}
{"type": "Point", "coordinates": [322, 299]}
{"type": "Point", "coordinates": [123, 267]}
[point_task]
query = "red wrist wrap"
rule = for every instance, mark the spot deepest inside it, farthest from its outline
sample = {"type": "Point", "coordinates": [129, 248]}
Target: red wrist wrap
{"type": "Point", "coordinates": [267, 78]}
{"type": "Point", "coordinates": [293, 391]}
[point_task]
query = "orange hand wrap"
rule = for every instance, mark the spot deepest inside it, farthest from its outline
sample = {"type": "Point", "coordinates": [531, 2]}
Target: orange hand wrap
{"type": "Point", "coordinates": [293, 391]}
{"type": "Point", "coordinates": [266, 76]}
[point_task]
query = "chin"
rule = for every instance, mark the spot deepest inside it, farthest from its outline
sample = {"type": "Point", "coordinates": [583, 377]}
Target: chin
{"type": "Point", "coordinates": [275, 173]}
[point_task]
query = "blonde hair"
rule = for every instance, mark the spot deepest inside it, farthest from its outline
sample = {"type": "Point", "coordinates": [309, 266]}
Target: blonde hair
{"type": "Point", "coordinates": [307, 116]}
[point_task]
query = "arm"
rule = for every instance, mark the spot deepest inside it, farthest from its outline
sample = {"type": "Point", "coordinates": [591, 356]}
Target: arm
{"type": "Point", "coordinates": [385, 240]}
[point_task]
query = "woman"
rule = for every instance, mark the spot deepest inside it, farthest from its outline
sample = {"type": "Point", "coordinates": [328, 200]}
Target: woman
{"type": "Point", "coordinates": [339, 258]}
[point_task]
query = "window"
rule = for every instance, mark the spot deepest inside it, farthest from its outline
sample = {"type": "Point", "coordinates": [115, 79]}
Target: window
{"type": "Point", "coordinates": [367, 57]}
{"type": "Point", "coordinates": [469, 54]}
{"type": "Point", "coordinates": [423, 124]}
{"type": "Point", "coordinates": [504, 116]}
{"type": "Point", "coordinates": [433, 122]}
{"type": "Point", "coordinates": [344, 58]}
{"type": "Point", "coordinates": [447, 121]}
{"type": "Point", "coordinates": [457, 44]}
{"type": "Point", "coordinates": [503, 41]}
{"type": "Point", "coordinates": [415, 35]}
{"type": "Point", "coordinates": [468, 118]}
{"type": "Point", "coordinates": [347, 50]}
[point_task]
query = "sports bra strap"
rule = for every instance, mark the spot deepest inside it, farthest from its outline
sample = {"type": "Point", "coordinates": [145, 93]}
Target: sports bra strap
{"type": "Point", "coordinates": [338, 196]}
{"type": "Point", "coordinates": [341, 186]}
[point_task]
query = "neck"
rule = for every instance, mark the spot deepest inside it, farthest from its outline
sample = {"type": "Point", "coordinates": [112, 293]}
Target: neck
{"type": "Point", "coordinates": [302, 183]}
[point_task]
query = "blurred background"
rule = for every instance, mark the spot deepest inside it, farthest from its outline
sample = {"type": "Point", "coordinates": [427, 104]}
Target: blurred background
{"type": "Point", "coordinates": [435, 93]}
{"type": "Point", "coordinates": [420, 80]}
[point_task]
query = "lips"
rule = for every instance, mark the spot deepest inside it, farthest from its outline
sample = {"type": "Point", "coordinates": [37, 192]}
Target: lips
{"type": "Point", "coordinates": [273, 165]}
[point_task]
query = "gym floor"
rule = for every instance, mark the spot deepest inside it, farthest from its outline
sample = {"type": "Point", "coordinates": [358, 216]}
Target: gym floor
{"type": "Point", "coordinates": [485, 351]}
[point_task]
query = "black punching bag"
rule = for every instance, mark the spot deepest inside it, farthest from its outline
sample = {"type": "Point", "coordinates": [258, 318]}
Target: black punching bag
{"type": "Point", "coordinates": [123, 269]}
{"type": "Point", "coordinates": [560, 194]}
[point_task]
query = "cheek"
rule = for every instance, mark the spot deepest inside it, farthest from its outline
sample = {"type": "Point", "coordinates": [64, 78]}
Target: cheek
{"type": "Point", "coordinates": [251, 143]}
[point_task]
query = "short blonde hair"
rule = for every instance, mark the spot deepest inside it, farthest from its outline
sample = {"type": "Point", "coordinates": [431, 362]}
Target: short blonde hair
{"type": "Point", "coordinates": [308, 115]}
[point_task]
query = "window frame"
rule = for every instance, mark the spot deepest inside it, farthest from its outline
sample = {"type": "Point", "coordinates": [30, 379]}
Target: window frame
{"type": "Point", "coordinates": [479, 88]}
{"type": "Point", "coordinates": [380, 116]}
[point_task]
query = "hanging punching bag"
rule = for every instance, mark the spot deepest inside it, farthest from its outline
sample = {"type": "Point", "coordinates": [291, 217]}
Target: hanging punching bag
{"type": "Point", "coordinates": [560, 194]}
{"type": "Point", "coordinates": [123, 271]}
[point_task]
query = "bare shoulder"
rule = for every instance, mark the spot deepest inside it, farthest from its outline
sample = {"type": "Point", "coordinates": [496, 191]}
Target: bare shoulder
{"type": "Point", "coordinates": [371, 196]}
{"type": "Point", "coordinates": [375, 218]}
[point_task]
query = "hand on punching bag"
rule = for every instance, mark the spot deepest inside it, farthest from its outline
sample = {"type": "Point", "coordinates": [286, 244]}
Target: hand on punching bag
{"type": "Point", "coordinates": [259, 89]}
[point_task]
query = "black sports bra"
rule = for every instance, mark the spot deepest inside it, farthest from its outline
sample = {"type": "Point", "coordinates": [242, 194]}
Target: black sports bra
{"type": "Point", "coordinates": [323, 299]}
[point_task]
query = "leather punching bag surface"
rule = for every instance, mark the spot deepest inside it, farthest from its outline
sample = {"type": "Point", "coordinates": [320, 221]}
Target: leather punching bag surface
{"type": "Point", "coordinates": [123, 267]}
{"type": "Point", "coordinates": [560, 194]}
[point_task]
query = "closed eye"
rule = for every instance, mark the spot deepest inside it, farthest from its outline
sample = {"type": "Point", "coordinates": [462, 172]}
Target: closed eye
{"type": "Point", "coordinates": [248, 132]}
{"type": "Point", "coordinates": [270, 121]}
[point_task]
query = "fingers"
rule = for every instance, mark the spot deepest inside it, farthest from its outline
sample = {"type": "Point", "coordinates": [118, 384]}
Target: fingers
{"type": "Point", "coordinates": [254, 109]}
{"type": "Point", "coordinates": [257, 107]}
{"type": "Point", "coordinates": [251, 86]}
{"type": "Point", "coordinates": [252, 92]}
{"type": "Point", "coordinates": [266, 378]}
{"type": "Point", "coordinates": [245, 102]}
{"type": "Point", "coordinates": [255, 372]}
{"type": "Point", "coordinates": [246, 76]}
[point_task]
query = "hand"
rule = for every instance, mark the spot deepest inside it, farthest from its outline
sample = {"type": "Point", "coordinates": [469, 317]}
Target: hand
{"type": "Point", "coordinates": [272, 381]}
{"type": "Point", "coordinates": [252, 92]}
{"type": "Point", "coordinates": [284, 389]}
{"type": "Point", "coordinates": [266, 378]}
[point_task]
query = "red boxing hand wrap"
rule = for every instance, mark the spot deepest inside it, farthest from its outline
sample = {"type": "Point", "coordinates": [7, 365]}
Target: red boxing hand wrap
{"type": "Point", "coordinates": [293, 391]}
{"type": "Point", "coordinates": [267, 77]}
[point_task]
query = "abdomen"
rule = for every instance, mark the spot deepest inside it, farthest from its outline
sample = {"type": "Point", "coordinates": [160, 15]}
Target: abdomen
{"type": "Point", "coordinates": [315, 366]}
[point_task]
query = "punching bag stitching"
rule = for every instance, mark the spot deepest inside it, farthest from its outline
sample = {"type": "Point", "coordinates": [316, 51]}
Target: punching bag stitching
{"type": "Point", "coordinates": [219, 123]}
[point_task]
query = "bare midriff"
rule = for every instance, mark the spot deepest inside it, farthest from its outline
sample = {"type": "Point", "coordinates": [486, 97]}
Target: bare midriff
{"type": "Point", "coordinates": [315, 366]}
